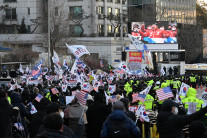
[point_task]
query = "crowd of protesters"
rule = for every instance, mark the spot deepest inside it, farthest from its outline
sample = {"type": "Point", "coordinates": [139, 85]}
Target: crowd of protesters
{"type": "Point", "coordinates": [99, 117]}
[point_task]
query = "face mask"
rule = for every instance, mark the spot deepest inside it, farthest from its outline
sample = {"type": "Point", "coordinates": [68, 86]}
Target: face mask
{"type": "Point", "coordinates": [62, 114]}
{"type": "Point", "coordinates": [149, 28]}
{"type": "Point", "coordinates": [173, 29]}
{"type": "Point", "coordinates": [176, 111]}
{"type": "Point", "coordinates": [161, 28]}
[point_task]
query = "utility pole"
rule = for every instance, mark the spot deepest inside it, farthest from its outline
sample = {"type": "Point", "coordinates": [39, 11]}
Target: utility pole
{"type": "Point", "coordinates": [48, 29]}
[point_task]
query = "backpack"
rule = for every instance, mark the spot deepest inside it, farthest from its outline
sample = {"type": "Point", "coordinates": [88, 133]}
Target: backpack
{"type": "Point", "coordinates": [118, 129]}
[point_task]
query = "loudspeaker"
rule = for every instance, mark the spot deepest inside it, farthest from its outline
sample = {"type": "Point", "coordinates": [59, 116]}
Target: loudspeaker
{"type": "Point", "coordinates": [123, 56]}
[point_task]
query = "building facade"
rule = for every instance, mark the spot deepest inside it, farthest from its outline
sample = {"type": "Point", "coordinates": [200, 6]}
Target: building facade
{"type": "Point", "coordinates": [84, 20]}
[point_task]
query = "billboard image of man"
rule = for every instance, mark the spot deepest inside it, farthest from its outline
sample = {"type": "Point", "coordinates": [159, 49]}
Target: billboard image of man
{"type": "Point", "coordinates": [156, 32]}
{"type": "Point", "coordinates": [135, 31]}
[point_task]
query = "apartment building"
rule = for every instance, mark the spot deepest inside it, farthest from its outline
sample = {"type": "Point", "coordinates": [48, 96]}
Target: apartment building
{"type": "Point", "coordinates": [86, 19]}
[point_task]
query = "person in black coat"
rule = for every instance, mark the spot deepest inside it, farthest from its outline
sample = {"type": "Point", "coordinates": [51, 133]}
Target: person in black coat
{"type": "Point", "coordinates": [37, 118]}
{"type": "Point", "coordinates": [170, 125]}
{"type": "Point", "coordinates": [129, 114]}
{"type": "Point", "coordinates": [53, 124]}
{"type": "Point", "coordinates": [16, 101]}
{"type": "Point", "coordinates": [5, 115]}
{"type": "Point", "coordinates": [96, 115]}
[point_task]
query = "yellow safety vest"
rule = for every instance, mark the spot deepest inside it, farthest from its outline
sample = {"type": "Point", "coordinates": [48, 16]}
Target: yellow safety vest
{"type": "Point", "coordinates": [148, 102]}
{"type": "Point", "coordinates": [191, 99]}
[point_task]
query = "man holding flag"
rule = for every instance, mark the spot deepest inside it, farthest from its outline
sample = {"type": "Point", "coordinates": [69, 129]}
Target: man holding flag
{"type": "Point", "coordinates": [170, 124]}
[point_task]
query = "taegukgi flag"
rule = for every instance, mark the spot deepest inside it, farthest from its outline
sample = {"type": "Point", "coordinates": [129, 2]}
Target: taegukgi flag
{"type": "Point", "coordinates": [78, 50]}
{"type": "Point", "coordinates": [183, 89]}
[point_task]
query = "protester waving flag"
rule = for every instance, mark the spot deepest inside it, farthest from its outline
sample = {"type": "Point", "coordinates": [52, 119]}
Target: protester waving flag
{"type": "Point", "coordinates": [78, 50]}
{"type": "Point", "coordinates": [27, 69]}
{"type": "Point", "coordinates": [20, 68]}
{"type": "Point", "coordinates": [162, 71]}
{"type": "Point", "coordinates": [65, 64]}
{"type": "Point", "coordinates": [184, 88]}
{"type": "Point", "coordinates": [164, 93]}
{"type": "Point", "coordinates": [64, 88]}
{"type": "Point", "coordinates": [82, 97]}
{"type": "Point", "coordinates": [112, 88]}
{"type": "Point", "coordinates": [86, 87]}
{"type": "Point", "coordinates": [33, 109]}
{"type": "Point", "coordinates": [39, 97]}
{"type": "Point", "coordinates": [36, 71]}
{"type": "Point", "coordinates": [142, 114]}
{"type": "Point", "coordinates": [135, 97]}
{"type": "Point", "coordinates": [54, 91]}
{"type": "Point", "coordinates": [141, 97]}
{"type": "Point", "coordinates": [204, 97]}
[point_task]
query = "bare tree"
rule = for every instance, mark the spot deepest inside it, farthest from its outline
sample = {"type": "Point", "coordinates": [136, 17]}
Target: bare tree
{"type": "Point", "coordinates": [3, 7]}
{"type": "Point", "coordinates": [115, 21]}
{"type": "Point", "coordinates": [21, 55]}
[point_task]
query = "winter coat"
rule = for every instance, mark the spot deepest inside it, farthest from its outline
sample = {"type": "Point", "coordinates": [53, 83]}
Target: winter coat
{"type": "Point", "coordinates": [119, 116]}
{"type": "Point", "coordinates": [73, 112]}
{"type": "Point", "coordinates": [37, 120]}
{"type": "Point", "coordinates": [53, 134]}
{"type": "Point", "coordinates": [96, 115]}
{"type": "Point", "coordinates": [5, 117]}
{"type": "Point", "coordinates": [16, 101]}
{"type": "Point", "coordinates": [66, 130]}
{"type": "Point", "coordinates": [170, 125]}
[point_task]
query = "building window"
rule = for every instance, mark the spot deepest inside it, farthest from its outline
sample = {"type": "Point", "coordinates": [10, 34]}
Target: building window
{"type": "Point", "coordinates": [76, 12]}
{"type": "Point", "coordinates": [10, 30]}
{"type": "Point", "coordinates": [99, 0]}
{"type": "Point", "coordinates": [11, 14]}
{"type": "Point", "coordinates": [56, 11]}
{"type": "Point", "coordinates": [117, 11]}
{"type": "Point", "coordinates": [117, 30]}
{"type": "Point", "coordinates": [100, 10]}
{"type": "Point", "coordinates": [109, 0]}
{"type": "Point", "coordinates": [28, 29]}
{"type": "Point", "coordinates": [10, 0]}
{"type": "Point", "coordinates": [101, 30]}
{"type": "Point", "coordinates": [28, 11]}
{"type": "Point", "coordinates": [117, 1]}
{"type": "Point", "coordinates": [109, 28]}
{"type": "Point", "coordinates": [109, 11]}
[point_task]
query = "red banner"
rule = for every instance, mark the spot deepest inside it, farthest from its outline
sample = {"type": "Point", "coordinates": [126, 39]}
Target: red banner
{"type": "Point", "coordinates": [135, 57]}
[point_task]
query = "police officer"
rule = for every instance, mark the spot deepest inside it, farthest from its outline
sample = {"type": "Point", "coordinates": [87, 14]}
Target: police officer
{"type": "Point", "coordinates": [191, 98]}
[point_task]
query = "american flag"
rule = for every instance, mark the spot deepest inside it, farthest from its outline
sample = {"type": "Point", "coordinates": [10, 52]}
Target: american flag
{"type": "Point", "coordinates": [164, 93]}
{"type": "Point", "coordinates": [113, 98]}
{"type": "Point", "coordinates": [79, 62]}
{"type": "Point", "coordinates": [141, 97]}
{"type": "Point", "coordinates": [54, 91]}
{"type": "Point", "coordinates": [39, 97]}
{"type": "Point", "coordinates": [37, 70]}
{"type": "Point", "coordinates": [135, 97]}
{"type": "Point", "coordinates": [120, 71]}
{"type": "Point", "coordinates": [82, 97]}
{"type": "Point", "coordinates": [49, 77]}
{"type": "Point", "coordinates": [101, 64]}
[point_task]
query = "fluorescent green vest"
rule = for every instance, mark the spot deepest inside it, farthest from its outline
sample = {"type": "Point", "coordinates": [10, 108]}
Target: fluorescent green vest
{"type": "Point", "coordinates": [148, 102]}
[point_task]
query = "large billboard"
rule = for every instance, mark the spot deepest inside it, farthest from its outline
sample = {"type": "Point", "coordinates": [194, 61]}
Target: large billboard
{"type": "Point", "coordinates": [155, 32]}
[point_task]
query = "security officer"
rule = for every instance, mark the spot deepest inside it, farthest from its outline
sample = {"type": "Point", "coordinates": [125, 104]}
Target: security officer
{"type": "Point", "coordinates": [148, 103]}
{"type": "Point", "coordinates": [191, 98]}
{"type": "Point", "coordinates": [193, 81]}
{"type": "Point", "coordinates": [128, 87]}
